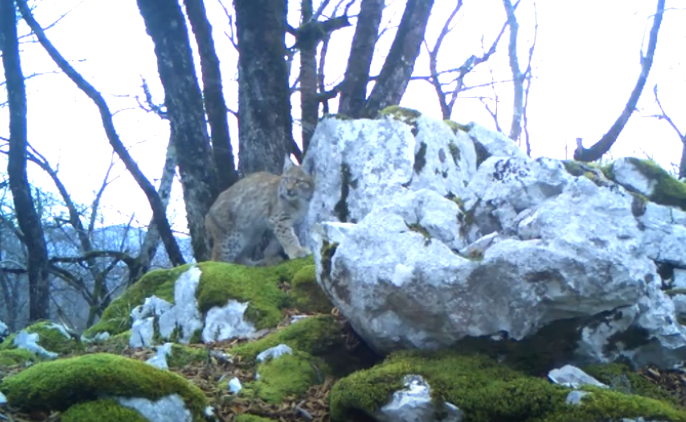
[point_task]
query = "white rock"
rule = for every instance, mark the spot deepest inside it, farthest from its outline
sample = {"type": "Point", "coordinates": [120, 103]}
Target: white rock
{"type": "Point", "coordinates": [274, 352]}
{"type": "Point", "coordinates": [153, 306]}
{"type": "Point", "coordinates": [628, 174]}
{"type": "Point", "coordinates": [142, 332]}
{"type": "Point", "coordinates": [167, 409]}
{"type": "Point", "coordinates": [235, 385]}
{"type": "Point", "coordinates": [679, 280]}
{"type": "Point", "coordinates": [160, 358]}
{"type": "Point", "coordinates": [574, 397]}
{"type": "Point", "coordinates": [29, 341]}
{"type": "Point", "coordinates": [3, 399]}
{"type": "Point", "coordinates": [573, 377]}
{"type": "Point", "coordinates": [495, 144]}
{"type": "Point", "coordinates": [184, 314]}
{"type": "Point", "coordinates": [414, 404]}
{"type": "Point", "coordinates": [227, 322]}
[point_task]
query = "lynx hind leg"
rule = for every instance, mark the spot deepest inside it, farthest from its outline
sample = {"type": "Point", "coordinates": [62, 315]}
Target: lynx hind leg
{"type": "Point", "coordinates": [229, 247]}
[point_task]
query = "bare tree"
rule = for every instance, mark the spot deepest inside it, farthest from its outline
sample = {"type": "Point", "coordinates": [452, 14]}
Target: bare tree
{"type": "Point", "coordinates": [213, 95]}
{"type": "Point", "coordinates": [605, 143]}
{"type": "Point", "coordinates": [156, 205]}
{"type": "Point", "coordinates": [39, 285]}
{"type": "Point", "coordinates": [682, 135]}
{"type": "Point", "coordinates": [397, 69]}
{"type": "Point", "coordinates": [264, 125]}
{"type": "Point", "coordinates": [166, 26]}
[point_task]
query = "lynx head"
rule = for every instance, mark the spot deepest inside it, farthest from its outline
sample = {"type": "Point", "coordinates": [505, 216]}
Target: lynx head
{"type": "Point", "coordinates": [295, 185]}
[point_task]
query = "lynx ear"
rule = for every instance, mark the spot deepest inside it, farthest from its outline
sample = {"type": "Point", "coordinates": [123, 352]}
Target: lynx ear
{"type": "Point", "coordinates": [308, 166]}
{"type": "Point", "coordinates": [287, 163]}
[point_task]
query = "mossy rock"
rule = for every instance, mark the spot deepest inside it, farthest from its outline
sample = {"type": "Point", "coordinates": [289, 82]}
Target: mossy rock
{"type": "Point", "coordinates": [50, 337]}
{"type": "Point", "coordinates": [59, 384]}
{"type": "Point", "coordinates": [288, 376]}
{"type": "Point", "coordinates": [487, 391]}
{"type": "Point", "coordinates": [11, 357]}
{"type": "Point", "coordinates": [116, 318]}
{"type": "Point", "coordinates": [668, 190]}
{"type": "Point", "coordinates": [103, 410]}
{"type": "Point", "coordinates": [455, 127]}
{"type": "Point", "coordinates": [406, 115]}
{"type": "Point", "coordinates": [219, 282]}
{"type": "Point", "coordinates": [307, 295]}
{"type": "Point", "coordinates": [624, 379]}
{"type": "Point", "coordinates": [182, 356]}
{"type": "Point", "coordinates": [314, 335]}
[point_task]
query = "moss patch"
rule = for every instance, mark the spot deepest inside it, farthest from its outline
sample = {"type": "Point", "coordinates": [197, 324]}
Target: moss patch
{"type": "Point", "coordinates": [117, 317]}
{"type": "Point", "coordinates": [252, 418]}
{"type": "Point", "coordinates": [306, 294]}
{"type": "Point", "coordinates": [103, 410]}
{"type": "Point", "coordinates": [59, 384]}
{"type": "Point", "coordinates": [624, 380]}
{"type": "Point", "coordinates": [668, 190]}
{"type": "Point", "coordinates": [11, 357]}
{"type": "Point", "coordinates": [259, 286]}
{"type": "Point", "coordinates": [454, 126]}
{"type": "Point", "coordinates": [313, 335]}
{"type": "Point", "coordinates": [487, 391]}
{"type": "Point", "coordinates": [182, 356]}
{"type": "Point", "coordinates": [285, 376]}
{"type": "Point", "coordinates": [50, 338]}
{"type": "Point", "coordinates": [406, 115]}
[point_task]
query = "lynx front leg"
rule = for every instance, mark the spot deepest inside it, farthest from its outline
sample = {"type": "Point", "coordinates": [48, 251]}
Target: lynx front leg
{"type": "Point", "coordinates": [283, 230]}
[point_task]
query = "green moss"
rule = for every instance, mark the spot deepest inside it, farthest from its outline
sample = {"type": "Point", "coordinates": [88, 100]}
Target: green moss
{"type": "Point", "coordinates": [624, 380]}
{"type": "Point", "coordinates": [103, 410]}
{"type": "Point", "coordinates": [638, 204]}
{"type": "Point", "coordinates": [285, 376]}
{"type": "Point", "coordinates": [668, 190]}
{"type": "Point", "coordinates": [575, 168]}
{"type": "Point", "coordinates": [327, 252]}
{"type": "Point", "coordinates": [416, 227]}
{"type": "Point", "coordinates": [59, 384]}
{"type": "Point", "coordinates": [259, 286]}
{"type": "Point", "coordinates": [314, 335]}
{"type": "Point", "coordinates": [182, 356]}
{"type": "Point", "coordinates": [454, 126]}
{"type": "Point", "coordinates": [341, 207]}
{"type": "Point", "coordinates": [52, 339]}
{"type": "Point", "coordinates": [486, 391]}
{"type": "Point", "coordinates": [117, 317]}
{"type": "Point", "coordinates": [406, 115]}
{"type": "Point", "coordinates": [420, 158]}
{"type": "Point", "coordinates": [10, 357]}
{"type": "Point", "coordinates": [454, 152]}
{"type": "Point", "coordinates": [307, 295]}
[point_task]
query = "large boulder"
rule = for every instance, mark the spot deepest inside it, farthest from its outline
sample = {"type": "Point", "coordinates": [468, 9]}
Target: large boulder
{"type": "Point", "coordinates": [500, 252]}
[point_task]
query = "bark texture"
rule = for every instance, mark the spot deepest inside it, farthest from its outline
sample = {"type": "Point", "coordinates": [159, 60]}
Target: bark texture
{"type": "Point", "coordinates": [601, 147]}
{"type": "Point", "coordinates": [397, 69]}
{"type": "Point", "coordinates": [158, 209]}
{"type": "Point", "coordinates": [264, 107]}
{"type": "Point", "coordinates": [213, 93]}
{"type": "Point", "coordinates": [166, 25]}
{"type": "Point", "coordinates": [354, 87]}
{"type": "Point", "coordinates": [309, 102]}
{"type": "Point", "coordinates": [27, 217]}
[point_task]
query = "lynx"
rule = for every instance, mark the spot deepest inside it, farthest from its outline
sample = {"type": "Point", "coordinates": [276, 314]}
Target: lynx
{"type": "Point", "coordinates": [257, 204]}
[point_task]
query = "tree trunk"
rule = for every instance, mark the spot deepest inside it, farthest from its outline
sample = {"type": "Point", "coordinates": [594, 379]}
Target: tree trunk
{"type": "Point", "coordinates": [601, 147]}
{"type": "Point", "coordinates": [265, 126]}
{"type": "Point", "coordinates": [166, 26]}
{"type": "Point", "coordinates": [397, 69]}
{"type": "Point", "coordinates": [27, 217]}
{"type": "Point", "coordinates": [354, 88]}
{"type": "Point", "coordinates": [309, 102]}
{"type": "Point", "coordinates": [158, 210]}
{"type": "Point", "coordinates": [517, 75]}
{"type": "Point", "coordinates": [213, 93]}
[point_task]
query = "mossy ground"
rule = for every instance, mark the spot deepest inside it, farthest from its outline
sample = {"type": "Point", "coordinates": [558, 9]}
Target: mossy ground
{"type": "Point", "coordinates": [49, 337]}
{"type": "Point", "coordinates": [487, 391]}
{"type": "Point", "coordinates": [285, 376]}
{"type": "Point", "coordinates": [252, 418]}
{"type": "Point", "coordinates": [59, 384]}
{"type": "Point", "coordinates": [103, 410]}
{"type": "Point", "coordinates": [219, 282]}
{"type": "Point", "coordinates": [306, 294]}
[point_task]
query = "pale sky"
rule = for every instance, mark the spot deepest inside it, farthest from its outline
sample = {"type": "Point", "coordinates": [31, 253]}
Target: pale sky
{"type": "Point", "coordinates": [586, 63]}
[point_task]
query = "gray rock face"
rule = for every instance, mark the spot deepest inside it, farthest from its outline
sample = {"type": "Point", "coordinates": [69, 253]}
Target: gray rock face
{"type": "Point", "coordinates": [358, 163]}
{"type": "Point", "coordinates": [414, 404]}
{"type": "Point", "coordinates": [525, 244]}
